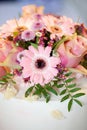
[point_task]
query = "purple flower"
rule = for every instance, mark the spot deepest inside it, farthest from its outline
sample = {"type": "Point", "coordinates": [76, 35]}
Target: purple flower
{"type": "Point", "coordinates": [37, 26]}
{"type": "Point", "coordinates": [27, 35]}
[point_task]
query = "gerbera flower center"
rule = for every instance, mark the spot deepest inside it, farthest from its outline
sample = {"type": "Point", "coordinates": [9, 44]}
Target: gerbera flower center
{"type": "Point", "coordinates": [40, 63]}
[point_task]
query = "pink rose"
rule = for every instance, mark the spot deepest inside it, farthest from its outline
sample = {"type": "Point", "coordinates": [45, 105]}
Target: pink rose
{"type": "Point", "coordinates": [71, 52]}
{"type": "Point", "coordinates": [5, 48]}
{"type": "Point", "coordinates": [8, 55]}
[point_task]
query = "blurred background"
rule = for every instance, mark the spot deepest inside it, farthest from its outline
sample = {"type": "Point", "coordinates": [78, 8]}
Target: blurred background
{"type": "Point", "coordinates": [76, 9]}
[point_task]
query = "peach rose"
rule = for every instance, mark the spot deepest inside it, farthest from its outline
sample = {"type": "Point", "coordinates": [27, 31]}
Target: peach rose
{"type": "Point", "coordinates": [72, 51]}
{"type": "Point", "coordinates": [32, 9]}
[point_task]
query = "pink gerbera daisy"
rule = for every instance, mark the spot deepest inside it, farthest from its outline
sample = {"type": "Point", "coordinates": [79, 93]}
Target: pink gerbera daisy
{"type": "Point", "coordinates": [38, 64]}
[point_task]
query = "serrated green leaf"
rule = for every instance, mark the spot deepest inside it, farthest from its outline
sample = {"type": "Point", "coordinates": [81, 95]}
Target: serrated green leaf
{"type": "Point", "coordinates": [71, 85]}
{"type": "Point", "coordinates": [51, 90]}
{"type": "Point", "coordinates": [46, 95]}
{"type": "Point", "coordinates": [74, 90]}
{"type": "Point", "coordinates": [63, 92]}
{"type": "Point", "coordinates": [78, 102]}
{"type": "Point", "coordinates": [69, 80]}
{"type": "Point", "coordinates": [59, 85]}
{"type": "Point", "coordinates": [29, 90]}
{"type": "Point", "coordinates": [68, 74]}
{"type": "Point", "coordinates": [70, 104]}
{"type": "Point", "coordinates": [65, 98]}
{"type": "Point", "coordinates": [78, 95]}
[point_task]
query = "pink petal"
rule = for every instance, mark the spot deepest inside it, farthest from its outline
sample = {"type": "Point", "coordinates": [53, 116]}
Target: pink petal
{"type": "Point", "coordinates": [33, 50]}
{"type": "Point", "coordinates": [25, 62]}
{"type": "Point", "coordinates": [2, 72]}
{"type": "Point", "coordinates": [47, 75]}
{"type": "Point", "coordinates": [26, 73]}
{"type": "Point", "coordinates": [47, 51]}
{"type": "Point", "coordinates": [2, 56]}
{"type": "Point", "coordinates": [54, 71]}
{"type": "Point", "coordinates": [54, 61]}
{"type": "Point", "coordinates": [41, 49]}
{"type": "Point", "coordinates": [38, 79]}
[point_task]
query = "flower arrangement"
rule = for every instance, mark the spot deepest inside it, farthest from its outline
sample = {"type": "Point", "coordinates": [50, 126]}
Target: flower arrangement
{"type": "Point", "coordinates": [41, 54]}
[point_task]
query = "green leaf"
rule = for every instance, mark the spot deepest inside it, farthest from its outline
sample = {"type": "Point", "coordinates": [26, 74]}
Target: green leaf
{"type": "Point", "coordinates": [59, 42]}
{"type": "Point", "coordinates": [38, 86]}
{"type": "Point", "coordinates": [69, 80]}
{"type": "Point", "coordinates": [71, 85]}
{"type": "Point", "coordinates": [68, 74]}
{"type": "Point", "coordinates": [38, 90]}
{"type": "Point", "coordinates": [70, 104]}
{"type": "Point", "coordinates": [63, 92]}
{"type": "Point", "coordinates": [29, 90]}
{"type": "Point", "coordinates": [78, 95]}
{"type": "Point", "coordinates": [49, 88]}
{"type": "Point", "coordinates": [46, 95]}
{"type": "Point", "coordinates": [74, 90]}
{"type": "Point", "coordinates": [78, 102]}
{"type": "Point", "coordinates": [60, 85]}
{"type": "Point", "coordinates": [65, 97]}
{"type": "Point", "coordinates": [34, 45]}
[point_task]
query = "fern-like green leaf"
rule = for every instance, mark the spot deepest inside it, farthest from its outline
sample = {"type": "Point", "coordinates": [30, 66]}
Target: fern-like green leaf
{"type": "Point", "coordinates": [78, 95]}
{"type": "Point", "coordinates": [68, 74]}
{"type": "Point", "coordinates": [69, 80]}
{"type": "Point", "coordinates": [29, 90]}
{"type": "Point", "coordinates": [70, 104]}
{"type": "Point", "coordinates": [65, 97]}
{"type": "Point", "coordinates": [71, 85]}
{"type": "Point", "coordinates": [60, 85]}
{"type": "Point", "coordinates": [63, 91]}
{"type": "Point", "coordinates": [49, 88]}
{"type": "Point", "coordinates": [46, 95]}
{"type": "Point", "coordinates": [75, 90]}
{"type": "Point", "coordinates": [78, 102]}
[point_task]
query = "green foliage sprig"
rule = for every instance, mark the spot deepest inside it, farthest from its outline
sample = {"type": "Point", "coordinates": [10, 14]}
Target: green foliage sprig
{"type": "Point", "coordinates": [7, 79]}
{"type": "Point", "coordinates": [65, 87]}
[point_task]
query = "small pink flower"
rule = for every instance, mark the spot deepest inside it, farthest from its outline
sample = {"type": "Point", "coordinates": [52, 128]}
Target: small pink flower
{"type": "Point", "coordinates": [27, 35]}
{"type": "Point", "coordinates": [37, 26]}
{"type": "Point", "coordinates": [39, 65]}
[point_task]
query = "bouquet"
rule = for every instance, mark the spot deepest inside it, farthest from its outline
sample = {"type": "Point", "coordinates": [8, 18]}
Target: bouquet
{"type": "Point", "coordinates": [42, 54]}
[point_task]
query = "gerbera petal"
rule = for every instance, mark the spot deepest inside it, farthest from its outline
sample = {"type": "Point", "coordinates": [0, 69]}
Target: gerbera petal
{"type": "Point", "coordinates": [41, 49]}
{"type": "Point", "coordinates": [47, 51]}
{"type": "Point", "coordinates": [47, 75]}
{"type": "Point", "coordinates": [38, 79]}
{"type": "Point", "coordinates": [25, 62]}
{"type": "Point", "coordinates": [54, 71]}
{"type": "Point", "coordinates": [54, 61]}
{"type": "Point", "coordinates": [26, 73]}
{"type": "Point", "coordinates": [33, 50]}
